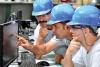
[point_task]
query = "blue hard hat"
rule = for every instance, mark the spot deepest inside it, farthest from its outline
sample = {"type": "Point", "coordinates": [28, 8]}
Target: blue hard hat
{"type": "Point", "coordinates": [61, 12]}
{"type": "Point", "coordinates": [86, 15]}
{"type": "Point", "coordinates": [41, 7]}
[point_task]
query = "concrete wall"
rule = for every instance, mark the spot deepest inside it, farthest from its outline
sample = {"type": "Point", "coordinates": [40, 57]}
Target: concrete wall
{"type": "Point", "coordinates": [26, 10]}
{"type": "Point", "coordinates": [5, 11]}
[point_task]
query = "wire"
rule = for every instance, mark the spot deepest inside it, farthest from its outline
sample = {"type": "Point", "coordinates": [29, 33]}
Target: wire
{"type": "Point", "coordinates": [84, 36]}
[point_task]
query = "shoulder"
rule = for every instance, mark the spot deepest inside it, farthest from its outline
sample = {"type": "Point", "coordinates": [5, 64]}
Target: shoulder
{"type": "Point", "coordinates": [37, 27]}
{"type": "Point", "coordinates": [56, 40]}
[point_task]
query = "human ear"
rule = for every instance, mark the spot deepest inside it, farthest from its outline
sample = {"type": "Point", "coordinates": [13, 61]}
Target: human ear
{"type": "Point", "coordinates": [67, 27]}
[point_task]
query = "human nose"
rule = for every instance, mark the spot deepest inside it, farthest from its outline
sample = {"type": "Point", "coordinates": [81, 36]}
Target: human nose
{"type": "Point", "coordinates": [41, 18]}
{"type": "Point", "coordinates": [71, 30]}
{"type": "Point", "coordinates": [47, 17]}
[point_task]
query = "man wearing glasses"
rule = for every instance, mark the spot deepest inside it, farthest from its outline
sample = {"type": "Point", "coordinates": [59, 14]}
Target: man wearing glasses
{"type": "Point", "coordinates": [83, 28]}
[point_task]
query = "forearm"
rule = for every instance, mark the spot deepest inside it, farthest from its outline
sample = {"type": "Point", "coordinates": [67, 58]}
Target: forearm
{"type": "Point", "coordinates": [44, 49]}
{"type": "Point", "coordinates": [29, 47]}
{"type": "Point", "coordinates": [72, 49]}
{"type": "Point", "coordinates": [67, 61]}
{"type": "Point", "coordinates": [49, 48]}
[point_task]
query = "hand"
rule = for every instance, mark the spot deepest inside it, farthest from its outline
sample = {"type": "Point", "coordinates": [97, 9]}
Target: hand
{"type": "Point", "coordinates": [72, 49]}
{"type": "Point", "coordinates": [43, 32]}
{"type": "Point", "coordinates": [22, 41]}
{"type": "Point", "coordinates": [74, 46]}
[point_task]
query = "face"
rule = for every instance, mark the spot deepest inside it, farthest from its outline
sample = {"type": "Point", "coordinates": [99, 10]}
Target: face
{"type": "Point", "coordinates": [84, 35]}
{"type": "Point", "coordinates": [78, 32]}
{"type": "Point", "coordinates": [42, 19]}
{"type": "Point", "coordinates": [60, 30]}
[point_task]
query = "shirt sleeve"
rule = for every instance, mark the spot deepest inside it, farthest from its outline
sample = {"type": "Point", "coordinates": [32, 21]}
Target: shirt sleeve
{"type": "Point", "coordinates": [61, 46]}
{"type": "Point", "coordinates": [59, 42]}
{"type": "Point", "coordinates": [36, 32]}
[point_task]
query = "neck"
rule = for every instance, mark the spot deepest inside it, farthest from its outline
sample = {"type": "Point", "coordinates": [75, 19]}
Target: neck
{"type": "Point", "coordinates": [69, 37]}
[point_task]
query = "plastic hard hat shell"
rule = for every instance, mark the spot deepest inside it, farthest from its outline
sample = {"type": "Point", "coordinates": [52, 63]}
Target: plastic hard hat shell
{"type": "Point", "coordinates": [86, 15]}
{"type": "Point", "coordinates": [41, 7]}
{"type": "Point", "coordinates": [62, 12]}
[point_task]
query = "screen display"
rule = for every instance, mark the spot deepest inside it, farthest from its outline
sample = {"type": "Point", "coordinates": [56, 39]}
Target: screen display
{"type": "Point", "coordinates": [10, 51]}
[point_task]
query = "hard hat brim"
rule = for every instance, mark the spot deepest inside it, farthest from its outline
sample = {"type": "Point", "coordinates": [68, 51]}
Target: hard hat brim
{"type": "Point", "coordinates": [76, 23]}
{"type": "Point", "coordinates": [52, 22]}
{"type": "Point", "coordinates": [40, 13]}
{"type": "Point", "coordinates": [73, 23]}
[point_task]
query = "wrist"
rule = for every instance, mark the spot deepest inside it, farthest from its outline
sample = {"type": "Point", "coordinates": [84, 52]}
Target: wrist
{"type": "Point", "coordinates": [67, 59]}
{"type": "Point", "coordinates": [27, 45]}
{"type": "Point", "coordinates": [69, 54]}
